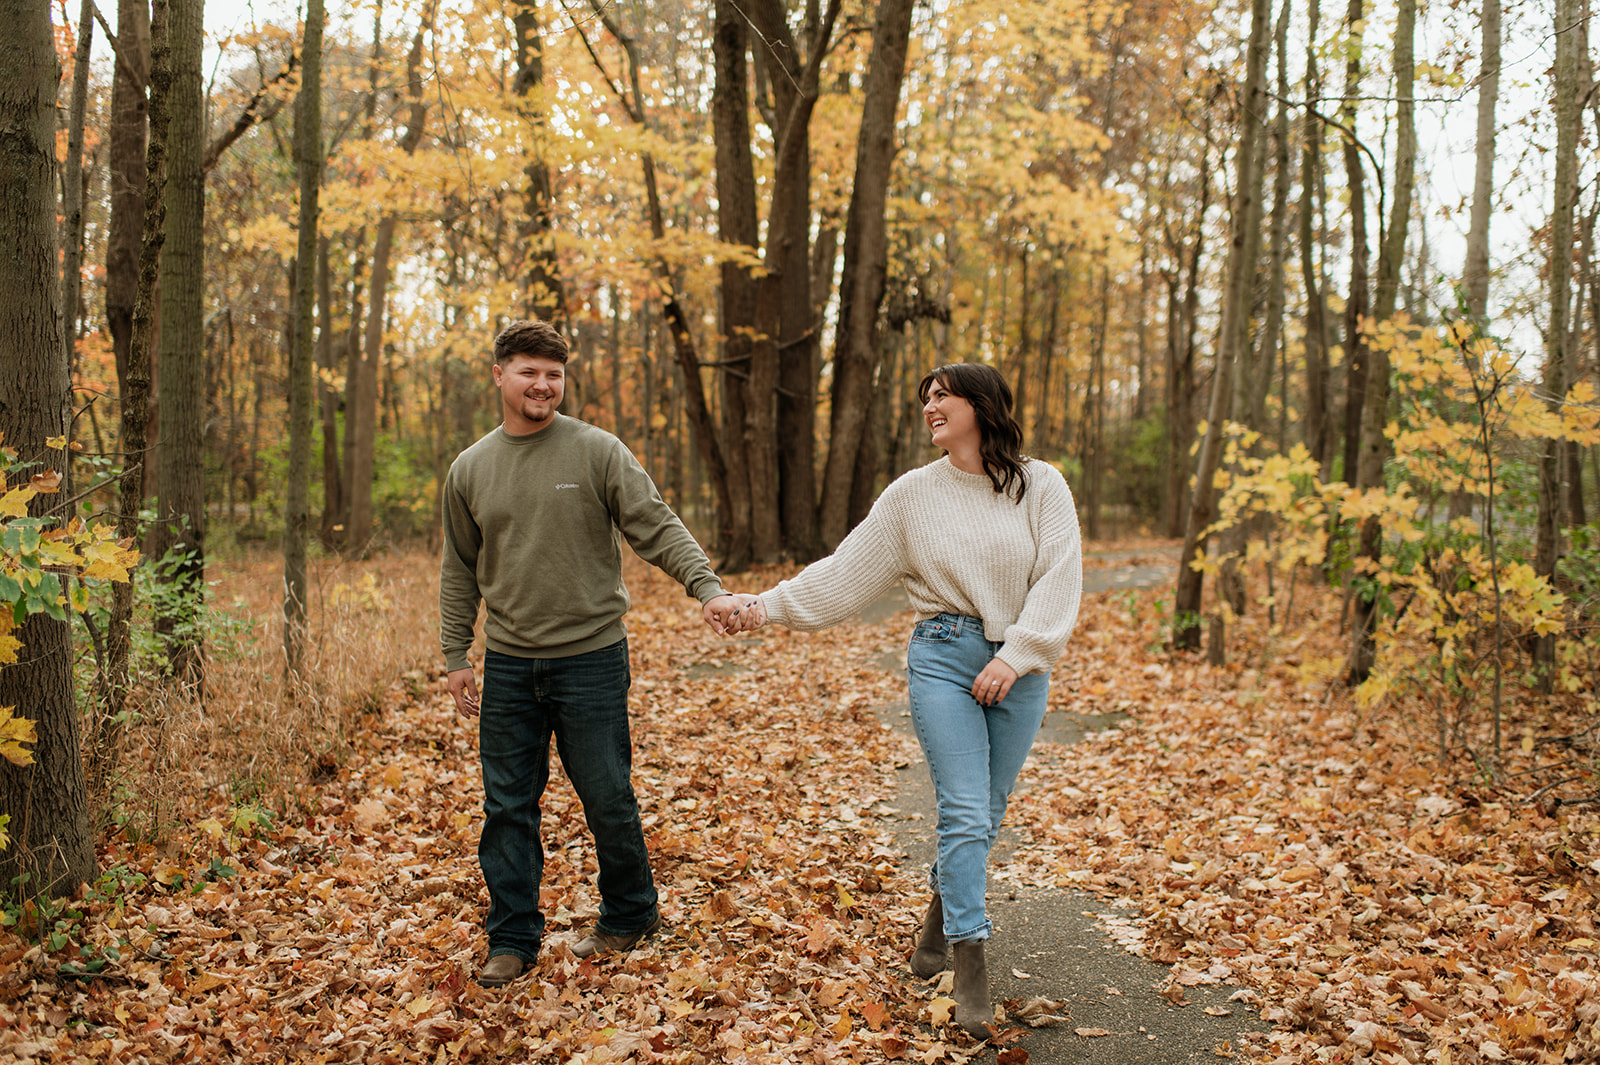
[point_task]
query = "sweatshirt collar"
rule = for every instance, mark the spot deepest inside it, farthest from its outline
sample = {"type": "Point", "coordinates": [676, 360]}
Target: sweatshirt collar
{"type": "Point", "coordinates": [532, 438]}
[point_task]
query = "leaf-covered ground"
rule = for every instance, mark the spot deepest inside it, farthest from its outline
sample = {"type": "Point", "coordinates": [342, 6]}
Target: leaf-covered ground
{"type": "Point", "coordinates": [1377, 904]}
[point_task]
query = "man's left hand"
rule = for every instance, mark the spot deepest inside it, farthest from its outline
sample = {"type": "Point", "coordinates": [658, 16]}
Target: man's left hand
{"type": "Point", "coordinates": [718, 611]}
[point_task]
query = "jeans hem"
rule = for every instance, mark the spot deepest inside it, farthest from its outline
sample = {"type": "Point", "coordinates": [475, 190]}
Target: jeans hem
{"type": "Point", "coordinates": [649, 926]}
{"type": "Point", "coordinates": [527, 959]}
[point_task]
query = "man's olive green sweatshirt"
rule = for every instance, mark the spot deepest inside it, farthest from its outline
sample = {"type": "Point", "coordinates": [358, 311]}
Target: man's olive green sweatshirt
{"type": "Point", "coordinates": [533, 526]}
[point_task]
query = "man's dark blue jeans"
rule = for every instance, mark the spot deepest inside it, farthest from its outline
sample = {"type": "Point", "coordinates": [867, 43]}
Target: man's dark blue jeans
{"type": "Point", "coordinates": [582, 702]}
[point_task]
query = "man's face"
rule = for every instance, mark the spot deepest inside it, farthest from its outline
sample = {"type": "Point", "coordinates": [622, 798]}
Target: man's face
{"type": "Point", "coordinates": [531, 388]}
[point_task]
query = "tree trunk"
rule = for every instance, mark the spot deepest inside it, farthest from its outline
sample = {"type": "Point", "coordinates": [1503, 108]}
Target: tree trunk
{"type": "Point", "coordinates": [129, 130]}
{"type": "Point", "coordinates": [181, 513]}
{"type": "Point", "coordinates": [1567, 115]}
{"type": "Point", "coordinates": [1235, 308]}
{"type": "Point", "coordinates": [333, 504]}
{"type": "Point", "coordinates": [52, 847]}
{"type": "Point", "coordinates": [361, 379]}
{"type": "Point", "coordinates": [702, 427]}
{"type": "Point", "coordinates": [1183, 317]}
{"type": "Point", "coordinates": [1018, 368]}
{"type": "Point", "coordinates": [1250, 380]}
{"type": "Point", "coordinates": [865, 271]}
{"type": "Point", "coordinates": [361, 422]}
{"type": "Point", "coordinates": [1094, 414]}
{"type": "Point", "coordinates": [297, 494]}
{"type": "Point", "coordinates": [72, 190]}
{"type": "Point", "coordinates": [135, 397]}
{"type": "Point", "coordinates": [781, 355]}
{"type": "Point", "coordinates": [545, 297]}
{"type": "Point", "coordinates": [1042, 426]}
{"type": "Point", "coordinates": [1272, 324]}
{"type": "Point", "coordinates": [1374, 452]}
{"type": "Point", "coordinates": [1355, 305]}
{"type": "Point", "coordinates": [353, 350]}
{"type": "Point", "coordinates": [737, 224]}
{"type": "Point", "coordinates": [1476, 275]}
{"type": "Point", "coordinates": [1319, 428]}
{"type": "Point", "coordinates": [1572, 368]}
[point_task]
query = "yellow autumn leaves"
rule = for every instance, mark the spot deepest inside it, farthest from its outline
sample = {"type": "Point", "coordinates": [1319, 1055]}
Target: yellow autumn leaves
{"type": "Point", "coordinates": [45, 568]}
{"type": "Point", "coordinates": [1461, 403]}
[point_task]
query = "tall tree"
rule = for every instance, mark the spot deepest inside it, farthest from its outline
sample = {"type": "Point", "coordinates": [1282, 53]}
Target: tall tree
{"type": "Point", "coordinates": [1183, 311]}
{"type": "Point", "coordinates": [52, 847]}
{"type": "Point", "coordinates": [545, 296]}
{"type": "Point", "coordinates": [702, 426]}
{"type": "Point", "coordinates": [333, 507]}
{"type": "Point", "coordinates": [738, 224]}
{"type": "Point", "coordinates": [1355, 304]}
{"type": "Point", "coordinates": [1476, 275]}
{"type": "Point", "coordinates": [297, 494]}
{"type": "Point", "coordinates": [1375, 447]}
{"type": "Point", "coordinates": [866, 269]}
{"type": "Point", "coordinates": [1568, 115]}
{"type": "Point", "coordinates": [1278, 237]}
{"type": "Point", "coordinates": [72, 186]}
{"type": "Point", "coordinates": [181, 513]}
{"type": "Point", "coordinates": [1234, 327]}
{"type": "Point", "coordinates": [361, 379]}
{"type": "Point", "coordinates": [784, 336]}
{"type": "Point", "coordinates": [362, 421]}
{"type": "Point", "coordinates": [136, 447]}
{"type": "Point", "coordinates": [1319, 428]}
{"type": "Point", "coordinates": [129, 131]}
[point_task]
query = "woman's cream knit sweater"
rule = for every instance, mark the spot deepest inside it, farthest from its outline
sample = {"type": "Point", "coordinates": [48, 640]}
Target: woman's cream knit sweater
{"type": "Point", "coordinates": [959, 547]}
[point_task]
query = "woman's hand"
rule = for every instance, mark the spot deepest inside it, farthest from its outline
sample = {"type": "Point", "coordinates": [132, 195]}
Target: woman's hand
{"type": "Point", "coordinates": [751, 614]}
{"type": "Point", "coordinates": [993, 683]}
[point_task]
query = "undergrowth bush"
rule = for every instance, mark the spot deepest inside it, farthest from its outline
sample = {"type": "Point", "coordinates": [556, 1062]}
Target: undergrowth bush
{"type": "Point", "coordinates": [1459, 601]}
{"type": "Point", "coordinates": [254, 740]}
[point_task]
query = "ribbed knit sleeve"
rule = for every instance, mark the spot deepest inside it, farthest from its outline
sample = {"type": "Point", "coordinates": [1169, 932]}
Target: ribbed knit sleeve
{"type": "Point", "coordinates": [1055, 587]}
{"type": "Point", "coordinates": [868, 563]}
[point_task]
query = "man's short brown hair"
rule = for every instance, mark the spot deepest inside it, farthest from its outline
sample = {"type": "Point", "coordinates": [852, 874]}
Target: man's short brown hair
{"type": "Point", "coordinates": [529, 336]}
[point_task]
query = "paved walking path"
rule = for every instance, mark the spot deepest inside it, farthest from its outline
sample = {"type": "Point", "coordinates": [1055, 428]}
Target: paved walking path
{"type": "Point", "coordinates": [1051, 934]}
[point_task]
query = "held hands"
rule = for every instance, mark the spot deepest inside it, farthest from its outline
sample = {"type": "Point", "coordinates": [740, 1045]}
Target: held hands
{"type": "Point", "coordinates": [993, 683]}
{"type": "Point", "coordinates": [735, 613]}
{"type": "Point", "coordinates": [718, 610]}
{"type": "Point", "coordinates": [751, 615]}
{"type": "Point", "coordinates": [464, 690]}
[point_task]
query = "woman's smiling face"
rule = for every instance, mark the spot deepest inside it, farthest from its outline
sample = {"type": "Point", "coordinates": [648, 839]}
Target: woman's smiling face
{"type": "Point", "coordinates": [951, 419]}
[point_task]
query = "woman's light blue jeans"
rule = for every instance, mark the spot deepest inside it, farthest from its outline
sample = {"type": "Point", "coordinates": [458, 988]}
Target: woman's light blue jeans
{"type": "Point", "coordinates": [974, 755]}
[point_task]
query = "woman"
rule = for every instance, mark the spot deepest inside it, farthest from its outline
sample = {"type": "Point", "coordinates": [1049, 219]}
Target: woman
{"type": "Point", "coordinates": [985, 541]}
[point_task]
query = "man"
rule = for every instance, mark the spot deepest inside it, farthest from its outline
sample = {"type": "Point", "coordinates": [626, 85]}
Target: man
{"type": "Point", "coordinates": [534, 518]}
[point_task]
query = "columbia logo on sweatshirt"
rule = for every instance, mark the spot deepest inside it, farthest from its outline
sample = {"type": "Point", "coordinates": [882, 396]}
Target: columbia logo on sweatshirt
{"type": "Point", "coordinates": [559, 487]}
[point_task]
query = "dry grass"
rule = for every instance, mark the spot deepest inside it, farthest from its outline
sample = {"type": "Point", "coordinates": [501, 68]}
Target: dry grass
{"type": "Point", "coordinates": [256, 738]}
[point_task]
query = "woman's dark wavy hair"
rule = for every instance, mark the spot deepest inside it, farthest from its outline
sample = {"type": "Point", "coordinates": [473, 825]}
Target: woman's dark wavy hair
{"type": "Point", "coordinates": [1000, 435]}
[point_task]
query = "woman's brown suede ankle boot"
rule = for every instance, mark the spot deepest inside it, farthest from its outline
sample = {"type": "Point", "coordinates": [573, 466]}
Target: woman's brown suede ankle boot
{"type": "Point", "coordinates": [928, 958]}
{"type": "Point", "coordinates": [971, 990]}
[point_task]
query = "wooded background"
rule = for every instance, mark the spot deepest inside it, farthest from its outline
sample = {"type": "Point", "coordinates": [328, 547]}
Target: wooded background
{"type": "Point", "coordinates": [278, 258]}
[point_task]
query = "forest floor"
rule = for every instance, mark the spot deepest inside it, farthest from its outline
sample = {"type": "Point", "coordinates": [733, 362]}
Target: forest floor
{"type": "Point", "coordinates": [1315, 881]}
